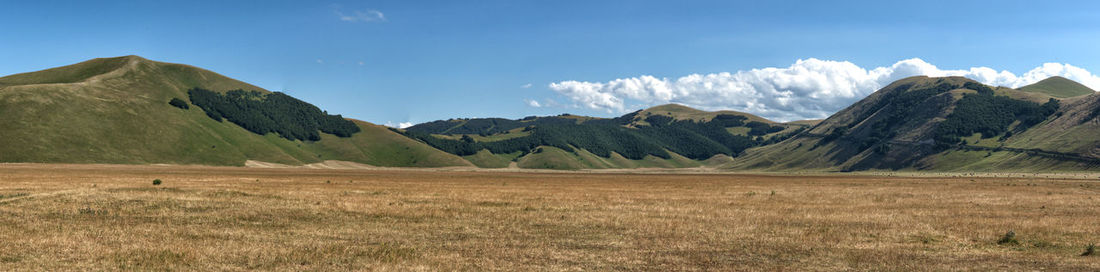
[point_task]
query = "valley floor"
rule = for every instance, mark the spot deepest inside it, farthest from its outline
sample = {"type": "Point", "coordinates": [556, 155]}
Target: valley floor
{"type": "Point", "coordinates": [111, 217]}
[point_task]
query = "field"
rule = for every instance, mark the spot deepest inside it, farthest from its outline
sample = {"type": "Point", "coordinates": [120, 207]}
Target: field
{"type": "Point", "coordinates": [111, 217]}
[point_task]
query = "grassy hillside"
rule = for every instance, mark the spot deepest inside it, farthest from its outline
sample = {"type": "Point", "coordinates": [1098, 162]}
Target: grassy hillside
{"type": "Point", "coordinates": [665, 132]}
{"type": "Point", "coordinates": [947, 124]}
{"type": "Point", "coordinates": [1058, 87]}
{"type": "Point", "coordinates": [663, 136]}
{"type": "Point", "coordinates": [115, 110]}
{"type": "Point", "coordinates": [681, 112]}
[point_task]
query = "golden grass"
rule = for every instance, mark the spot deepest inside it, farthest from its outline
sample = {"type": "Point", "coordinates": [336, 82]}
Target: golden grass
{"type": "Point", "coordinates": [109, 217]}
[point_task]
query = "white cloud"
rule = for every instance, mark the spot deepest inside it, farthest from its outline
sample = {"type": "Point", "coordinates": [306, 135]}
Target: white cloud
{"type": "Point", "coordinates": [526, 86]}
{"type": "Point", "coordinates": [808, 89]}
{"type": "Point", "coordinates": [533, 103]}
{"type": "Point", "coordinates": [319, 61]}
{"type": "Point", "coordinates": [369, 15]}
{"type": "Point", "coordinates": [401, 125]}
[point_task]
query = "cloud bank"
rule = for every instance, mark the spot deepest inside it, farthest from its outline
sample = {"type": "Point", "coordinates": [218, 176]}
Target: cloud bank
{"type": "Point", "coordinates": [808, 89]}
{"type": "Point", "coordinates": [401, 125]}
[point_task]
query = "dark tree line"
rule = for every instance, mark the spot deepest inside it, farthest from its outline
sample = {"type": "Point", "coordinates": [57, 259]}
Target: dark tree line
{"type": "Point", "coordinates": [487, 126]}
{"type": "Point", "coordinates": [991, 116]}
{"type": "Point", "coordinates": [760, 128]}
{"type": "Point", "coordinates": [276, 112]}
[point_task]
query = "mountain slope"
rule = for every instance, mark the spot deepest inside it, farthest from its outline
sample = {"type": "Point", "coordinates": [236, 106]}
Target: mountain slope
{"type": "Point", "coordinates": [663, 136]}
{"type": "Point", "coordinates": [115, 110]}
{"type": "Point", "coordinates": [1072, 130]}
{"type": "Point", "coordinates": [925, 123]}
{"type": "Point", "coordinates": [1058, 87]}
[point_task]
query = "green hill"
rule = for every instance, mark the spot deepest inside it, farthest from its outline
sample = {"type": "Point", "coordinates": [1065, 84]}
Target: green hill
{"type": "Point", "coordinates": [681, 112]}
{"type": "Point", "coordinates": [946, 124]}
{"type": "Point", "coordinates": [116, 110]}
{"type": "Point", "coordinates": [136, 111]}
{"type": "Point", "coordinates": [663, 136]}
{"type": "Point", "coordinates": [1058, 87]}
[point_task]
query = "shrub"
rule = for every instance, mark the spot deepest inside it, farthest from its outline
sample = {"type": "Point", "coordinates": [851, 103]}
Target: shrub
{"type": "Point", "coordinates": [1090, 250]}
{"type": "Point", "coordinates": [179, 103]}
{"type": "Point", "coordinates": [91, 211]}
{"type": "Point", "coordinates": [156, 182]}
{"type": "Point", "coordinates": [1009, 238]}
{"type": "Point", "coordinates": [835, 134]}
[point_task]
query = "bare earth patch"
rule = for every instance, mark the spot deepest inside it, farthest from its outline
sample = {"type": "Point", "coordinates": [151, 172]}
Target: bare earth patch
{"type": "Point", "coordinates": [111, 217]}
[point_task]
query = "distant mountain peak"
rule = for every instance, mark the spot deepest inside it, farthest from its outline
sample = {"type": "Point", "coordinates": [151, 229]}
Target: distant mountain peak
{"type": "Point", "coordinates": [1058, 86]}
{"type": "Point", "coordinates": [682, 112]}
{"type": "Point", "coordinates": [673, 107]}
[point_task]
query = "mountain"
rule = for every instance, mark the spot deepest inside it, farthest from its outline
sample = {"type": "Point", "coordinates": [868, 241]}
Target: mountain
{"type": "Point", "coordinates": [136, 111]}
{"type": "Point", "coordinates": [917, 123]}
{"type": "Point", "coordinates": [663, 136]}
{"type": "Point", "coordinates": [116, 110]}
{"type": "Point", "coordinates": [681, 112]}
{"type": "Point", "coordinates": [1058, 87]}
{"type": "Point", "coordinates": [945, 124]}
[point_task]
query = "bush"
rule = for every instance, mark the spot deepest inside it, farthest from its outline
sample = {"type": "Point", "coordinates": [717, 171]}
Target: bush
{"type": "Point", "coordinates": [1089, 251]}
{"type": "Point", "coordinates": [1009, 238]}
{"type": "Point", "coordinates": [156, 182]}
{"type": "Point", "coordinates": [176, 102]}
{"type": "Point", "coordinates": [835, 134]}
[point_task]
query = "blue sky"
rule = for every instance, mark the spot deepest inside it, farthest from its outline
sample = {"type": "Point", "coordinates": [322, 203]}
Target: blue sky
{"type": "Point", "coordinates": [416, 61]}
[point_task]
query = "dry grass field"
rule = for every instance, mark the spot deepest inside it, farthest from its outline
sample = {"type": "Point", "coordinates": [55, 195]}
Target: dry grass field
{"type": "Point", "coordinates": [109, 217]}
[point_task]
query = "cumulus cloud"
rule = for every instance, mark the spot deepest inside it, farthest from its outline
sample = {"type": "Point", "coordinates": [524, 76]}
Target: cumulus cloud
{"type": "Point", "coordinates": [533, 103]}
{"type": "Point", "coordinates": [808, 89]}
{"type": "Point", "coordinates": [401, 125]}
{"type": "Point", "coordinates": [369, 15]}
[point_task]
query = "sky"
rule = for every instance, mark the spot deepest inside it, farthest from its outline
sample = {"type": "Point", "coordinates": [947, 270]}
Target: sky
{"type": "Point", "coordinates": [406, 62]}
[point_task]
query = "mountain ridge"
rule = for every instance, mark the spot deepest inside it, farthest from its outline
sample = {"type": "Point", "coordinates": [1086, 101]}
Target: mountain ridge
{"type": "Point", "coordinates": [861, 136]}
{"type": "Point", "coordinates": [116, 110]}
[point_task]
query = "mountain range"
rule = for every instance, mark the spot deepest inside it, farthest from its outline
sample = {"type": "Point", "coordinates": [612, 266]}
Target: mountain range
{"type": "Point", "coordinates": [131, 110]}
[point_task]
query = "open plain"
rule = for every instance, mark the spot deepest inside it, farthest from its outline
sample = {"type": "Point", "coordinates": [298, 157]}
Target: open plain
{"type": "Point", "coordinates": [110, 217]}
